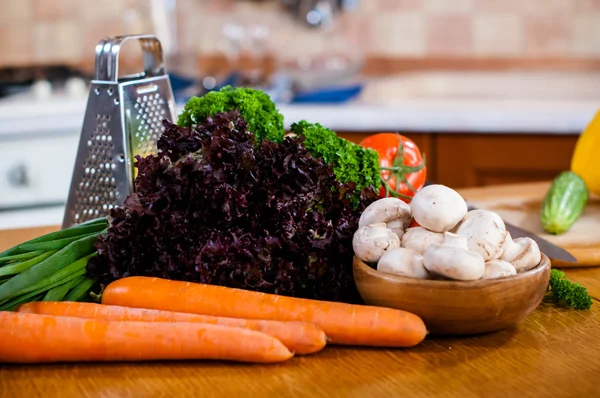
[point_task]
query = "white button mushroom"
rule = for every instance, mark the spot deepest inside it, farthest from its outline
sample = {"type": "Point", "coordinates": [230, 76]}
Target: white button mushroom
{"type": "Point", "coordinates": [452, 259]}
{"type": "Point", "coordinates": [523, 253]}
{"type": "Point", "coordinates": [438, 208]}
{"type": "Point", "coordinates": [371, 242]}
{"type": "Point", "coordinates": [485, 232]}
{"type": "Point", "coordinates": [403, 262]}
{"type": "Point", "coordinates": [419, 239]}
{"type": "Point", "coordinates": [498, 269]}
{"type": "Point", "coordinates": [391, 211]}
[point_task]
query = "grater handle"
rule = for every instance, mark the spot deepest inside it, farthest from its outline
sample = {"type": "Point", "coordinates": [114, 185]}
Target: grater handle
{"type": "Point", "coordinates": [107, 57]}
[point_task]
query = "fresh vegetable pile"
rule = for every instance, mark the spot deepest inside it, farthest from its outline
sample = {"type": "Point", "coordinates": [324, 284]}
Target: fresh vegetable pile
{"type": "Point", "coordinates": [238, 245]}
{"type": "Point", "coordinates": [229, 201]}
{"type": "Point", "coordinates": [222, 208]}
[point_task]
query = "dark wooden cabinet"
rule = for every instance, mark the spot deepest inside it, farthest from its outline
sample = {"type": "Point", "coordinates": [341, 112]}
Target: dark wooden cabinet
{"type": "Point", "coordinates": [476, 159]}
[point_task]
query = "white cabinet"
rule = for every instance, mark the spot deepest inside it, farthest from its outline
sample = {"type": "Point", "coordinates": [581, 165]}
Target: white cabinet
{"type": "Point", "coordinates": [38, 146]}
{"type": "Point", "coordinates": [35, 170]}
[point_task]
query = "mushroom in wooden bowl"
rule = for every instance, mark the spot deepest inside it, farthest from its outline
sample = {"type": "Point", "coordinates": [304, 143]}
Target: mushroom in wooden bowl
{"type": "Point", "coordinates": [459, 270]}
{"type": "Point", "coordinates": [457, 307]}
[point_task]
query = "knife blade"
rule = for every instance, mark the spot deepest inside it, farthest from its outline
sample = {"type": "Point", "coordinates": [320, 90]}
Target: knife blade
{"type": "Point", "coordinates": [551, 250]}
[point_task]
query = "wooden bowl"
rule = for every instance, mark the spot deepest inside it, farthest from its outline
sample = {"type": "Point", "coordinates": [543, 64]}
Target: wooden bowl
{"type": "Point", "coordinates": [457, 307]}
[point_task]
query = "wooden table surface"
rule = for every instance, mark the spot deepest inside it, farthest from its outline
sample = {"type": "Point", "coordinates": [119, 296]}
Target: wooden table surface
{"type": "Point", "coordinates": [555, 352]}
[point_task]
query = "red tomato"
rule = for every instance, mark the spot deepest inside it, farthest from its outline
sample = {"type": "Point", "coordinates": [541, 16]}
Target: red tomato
{"type": "Point", "coordinates": [413, 223]}
{"type": "Point", "coordinates": [402, 165]}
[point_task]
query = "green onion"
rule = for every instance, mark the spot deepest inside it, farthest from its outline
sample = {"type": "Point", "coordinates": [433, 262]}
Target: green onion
{"type": "Point", "coordinates": [53, 244]}
{"type": "Point", "coordinates": [59, 292]}
{"type": "Point", "coordinates": [76, 267]}
{"type": "Point", "coordinates": [100, 220]}
{"type": "Point", "coordinates": [80, 291]}
{"type": "Point", "coordinates": [17, 268]}
{"type": "Point", "coordinates": [20, 257]}
{"type": "Point", "coordinates": [77, 230]}
{"type": "Point", "coordinates": [40, 289]}
{"type": "Point", "coordinates": [54, 264]}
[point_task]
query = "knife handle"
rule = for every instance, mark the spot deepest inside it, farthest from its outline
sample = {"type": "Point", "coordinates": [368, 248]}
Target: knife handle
{"type": "Point", "coordinates": [586, 257]}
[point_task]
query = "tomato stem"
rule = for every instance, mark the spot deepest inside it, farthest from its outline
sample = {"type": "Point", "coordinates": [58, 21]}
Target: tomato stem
{"type": "Point", "coordinates": [406, 169]}
{"type": "Point", "coordinates": [408, 184]}
{"type": "Point", "coordinates": [390, 192]}
{"type": "Point", "coordinates": [400, 172]}
{"type": "Point", "coordinates": [399, 160]}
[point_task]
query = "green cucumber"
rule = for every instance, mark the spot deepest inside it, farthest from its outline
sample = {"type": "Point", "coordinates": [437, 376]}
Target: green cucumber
{"type": "Point", "coordinates": [564, 202]}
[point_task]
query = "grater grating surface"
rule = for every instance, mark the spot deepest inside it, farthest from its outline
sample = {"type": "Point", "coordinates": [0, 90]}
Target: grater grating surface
{"type": "Point", "coordinates": [123, 119]}
{"type": "Point", "coordinates": [149, 113]}
{"type": "Point", "coordinates": [97, 189]}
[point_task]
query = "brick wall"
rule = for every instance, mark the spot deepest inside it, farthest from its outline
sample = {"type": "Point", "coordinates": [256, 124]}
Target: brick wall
{"type": "Point", "coordinates": [50, 31]}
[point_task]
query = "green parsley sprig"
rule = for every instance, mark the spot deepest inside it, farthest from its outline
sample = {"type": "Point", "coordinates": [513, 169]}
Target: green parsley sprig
{"type": "Point", "coordinates": [569, 293]}
{"type": "Point", "coordinates": [351, 162]}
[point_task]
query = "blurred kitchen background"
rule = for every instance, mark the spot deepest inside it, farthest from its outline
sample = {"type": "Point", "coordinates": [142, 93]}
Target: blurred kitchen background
{"type": "Point", "coordinates": [492, 91]}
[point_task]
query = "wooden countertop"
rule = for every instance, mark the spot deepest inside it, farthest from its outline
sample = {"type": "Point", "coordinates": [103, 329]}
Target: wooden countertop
{"type": "Point", "coordinates": [553, 353]}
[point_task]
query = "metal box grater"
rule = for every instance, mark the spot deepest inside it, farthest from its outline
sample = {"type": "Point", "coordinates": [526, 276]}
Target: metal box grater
{"type": "Point", "coordinates": [123, 118]}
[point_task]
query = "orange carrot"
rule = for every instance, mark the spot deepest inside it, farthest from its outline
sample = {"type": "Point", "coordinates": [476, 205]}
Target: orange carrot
{"type": "Point", "coordinates": [298, 337]}
{"type": "Point", "coordinates": [343, 323]}
{"type": "Point", "coordinates": [33, 338]}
